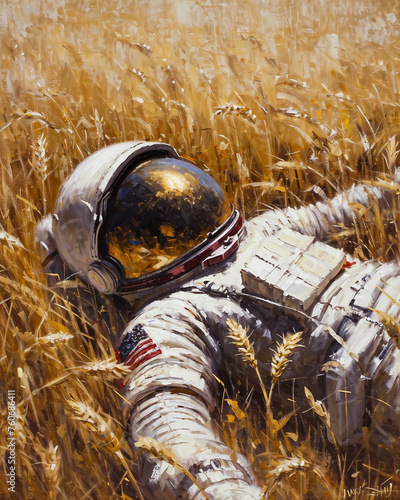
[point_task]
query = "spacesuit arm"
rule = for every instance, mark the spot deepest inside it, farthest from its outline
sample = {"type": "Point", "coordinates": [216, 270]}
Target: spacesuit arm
{"type": "Point", "coordinates": [327, 219]}
{"type": "Point", "coordinates": [173, 393]}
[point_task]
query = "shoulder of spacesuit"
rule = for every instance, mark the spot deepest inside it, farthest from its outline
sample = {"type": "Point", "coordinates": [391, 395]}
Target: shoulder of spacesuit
{"type": "Point", "coordinates": [268, 222]}
{"type": "Point", "coordinates": [177, 314]}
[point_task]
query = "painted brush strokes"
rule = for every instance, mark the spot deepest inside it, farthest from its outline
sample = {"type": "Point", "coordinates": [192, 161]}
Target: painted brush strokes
{"type": "Point", "coordinates": [286, 102]}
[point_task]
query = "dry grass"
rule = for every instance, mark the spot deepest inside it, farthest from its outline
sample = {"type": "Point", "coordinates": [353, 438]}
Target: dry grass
{"type": "Point", "coordinates": [286, 102]}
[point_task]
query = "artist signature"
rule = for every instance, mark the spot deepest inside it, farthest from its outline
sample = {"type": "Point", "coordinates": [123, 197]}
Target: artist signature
{"type": "Point", "coordinates": [383, 491]}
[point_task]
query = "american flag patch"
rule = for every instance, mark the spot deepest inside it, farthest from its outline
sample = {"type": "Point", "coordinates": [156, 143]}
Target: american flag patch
{"type": "Point", "coordinates": [136, 348]}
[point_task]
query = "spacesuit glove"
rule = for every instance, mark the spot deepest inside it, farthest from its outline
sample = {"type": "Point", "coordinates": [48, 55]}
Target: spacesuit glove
{"type": "Point", "coordinates": [223, 479]}
{"type": "Point", "coordinates": [230, 491]}
{"type": "Point", "coordinates": [227, 482]}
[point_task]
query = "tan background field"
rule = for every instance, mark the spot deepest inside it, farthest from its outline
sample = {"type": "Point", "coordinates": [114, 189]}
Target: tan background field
{"type": "Point", "coordinates": [287, 102]}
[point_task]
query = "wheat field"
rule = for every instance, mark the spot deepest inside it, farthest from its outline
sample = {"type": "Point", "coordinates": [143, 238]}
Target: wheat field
{"type": "Point", "coordinates": [285, 102]}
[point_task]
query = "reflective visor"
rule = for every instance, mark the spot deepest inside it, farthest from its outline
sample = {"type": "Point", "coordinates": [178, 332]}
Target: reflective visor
{"type": "Point", "coordinates": [162, 210]}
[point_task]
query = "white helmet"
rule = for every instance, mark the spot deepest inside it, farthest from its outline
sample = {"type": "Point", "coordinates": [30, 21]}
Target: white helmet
{"type": "Point", "coordinates": [135, 215]}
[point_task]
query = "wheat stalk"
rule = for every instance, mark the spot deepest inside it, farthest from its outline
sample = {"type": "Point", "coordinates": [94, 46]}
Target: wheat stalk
{"type": "Point", "coordinates": [39, 163]}
{"type": "Point", "coordinates": [287, 465]}
{"type": "Point", "coordinates": [239, 336]}
{"type": "Point", "coordinates": [103, 431]}
{"type": "Point", "coordinates": [390, 322]}
{"type": "Point", "coordinates": [282, 354]}
{"type": "Point", "coordinates": [55, 338]}
{"type": "Point", "coordinates": [320, 409]}
{"type": "Point", "coordinates": [279, 362]}
{"type": "Point", "coordinates": [279, 467]}
{"type": "Point", "coordinates": [281, 358]}
{"type": "Point", "coordinates": [109, 367]}
{"type": "Point", "coordinates": [52, 462]}
{"type": "Point", "coordinates": [95, 423]}
{"type": "Point", "coordinates": [234, 109]}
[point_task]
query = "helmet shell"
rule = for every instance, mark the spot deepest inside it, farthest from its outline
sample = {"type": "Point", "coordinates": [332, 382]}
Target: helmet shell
{"type": "Point", "coordinates": [78, 217]}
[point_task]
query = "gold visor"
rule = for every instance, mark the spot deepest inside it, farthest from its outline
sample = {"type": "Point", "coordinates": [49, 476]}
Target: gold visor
{"type": "Point", "coordinates": [161, 210]}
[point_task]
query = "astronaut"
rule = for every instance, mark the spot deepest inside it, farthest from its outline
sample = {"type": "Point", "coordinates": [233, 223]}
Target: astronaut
{"type": "Point", "coordinates": [137, 221]}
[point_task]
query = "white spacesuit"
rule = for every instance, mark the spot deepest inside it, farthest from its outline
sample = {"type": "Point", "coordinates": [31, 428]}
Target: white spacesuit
{"type": "Point", "coordinates": [136, 220]}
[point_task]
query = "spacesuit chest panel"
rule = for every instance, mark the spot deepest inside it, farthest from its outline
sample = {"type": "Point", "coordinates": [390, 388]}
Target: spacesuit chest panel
{"type": "Point", "coordinates": [291, 269]}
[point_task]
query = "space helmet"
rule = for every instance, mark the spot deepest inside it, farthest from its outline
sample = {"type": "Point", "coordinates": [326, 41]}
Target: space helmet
{"type": "Point", "coordinates": [135, 215]}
